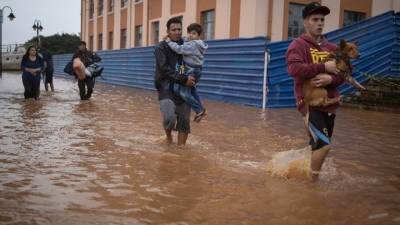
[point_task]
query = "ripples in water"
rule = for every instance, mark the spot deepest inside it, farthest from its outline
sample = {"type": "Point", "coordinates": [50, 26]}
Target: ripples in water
{"type": "Point", "coordinates": [104, 161]}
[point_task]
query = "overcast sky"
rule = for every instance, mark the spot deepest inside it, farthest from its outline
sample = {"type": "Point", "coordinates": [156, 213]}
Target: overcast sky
{"type": "Point", "coordinates": [57, 16]}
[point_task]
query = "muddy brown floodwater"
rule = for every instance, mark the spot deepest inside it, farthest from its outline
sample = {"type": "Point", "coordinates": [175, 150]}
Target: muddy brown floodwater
{"type": "Point", "coordinates": [104, 161]}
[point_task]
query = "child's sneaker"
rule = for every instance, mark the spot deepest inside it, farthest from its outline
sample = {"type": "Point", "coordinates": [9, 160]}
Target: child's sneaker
{"type": "Point", "coordinates": [200, 116]}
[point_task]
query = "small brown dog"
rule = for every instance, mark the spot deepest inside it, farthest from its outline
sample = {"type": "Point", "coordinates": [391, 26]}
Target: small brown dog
{"type": "Point", "coordinates": [318, 96]}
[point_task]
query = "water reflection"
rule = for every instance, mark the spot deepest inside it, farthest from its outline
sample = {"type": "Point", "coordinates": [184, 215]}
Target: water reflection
{"type": "Point", "coordinates": [104, 161]}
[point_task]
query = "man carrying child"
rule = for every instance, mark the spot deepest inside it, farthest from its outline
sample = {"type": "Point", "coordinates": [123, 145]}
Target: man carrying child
{"type": "Point", "coordinates": [175, 111]}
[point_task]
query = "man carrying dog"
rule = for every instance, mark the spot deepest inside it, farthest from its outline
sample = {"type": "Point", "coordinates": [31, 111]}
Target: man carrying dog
{"type": "Point", "coordinates": [175, 111]}
{"type": "Point", "coordinates": [304, 58]}
{"type": "Point", "coordinates": [82, 59]}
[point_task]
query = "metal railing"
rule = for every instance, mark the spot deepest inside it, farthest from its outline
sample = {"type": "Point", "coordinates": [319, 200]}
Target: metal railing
{"type": "Point", "coordinates": [11, 47]}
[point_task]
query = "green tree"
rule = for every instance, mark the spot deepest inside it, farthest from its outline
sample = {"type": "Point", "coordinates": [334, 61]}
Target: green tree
{"type": "Point", "coordinates": [58, 43]}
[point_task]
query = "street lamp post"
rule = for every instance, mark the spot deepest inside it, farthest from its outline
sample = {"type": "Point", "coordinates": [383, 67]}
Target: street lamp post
{"type": "Point", "coordinates": [11, 17]}
{"type": "Point", "coordinates": [37, 26]}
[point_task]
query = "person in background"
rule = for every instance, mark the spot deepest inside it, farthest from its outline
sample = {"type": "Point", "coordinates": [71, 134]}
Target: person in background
{"type": "Point", "coordinates": [48, 66]}
{"type": "Point", "coordinates": [81, 60]}
{"type": "Point", "coordinates": [31, 66]}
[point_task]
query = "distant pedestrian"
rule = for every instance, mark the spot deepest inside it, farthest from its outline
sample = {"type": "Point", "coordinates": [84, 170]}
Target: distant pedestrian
{"type": "Point", "coordinates": [31, 66]}
{"type": "Point", "coordinates": [82, 59]}
{"type": "Point", "coordinates": [48, 66]}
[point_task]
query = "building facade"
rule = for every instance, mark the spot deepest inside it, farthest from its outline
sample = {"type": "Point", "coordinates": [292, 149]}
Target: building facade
{"type": "Point", "coordinates": [117, 24]}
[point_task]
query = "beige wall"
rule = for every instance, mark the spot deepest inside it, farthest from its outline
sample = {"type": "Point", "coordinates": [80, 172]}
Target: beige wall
{"type": "Point", "coordinates": [261, 17]}
{"type": "Point", "coordinates": [129, 24]}
{"type": "Point", "coordinates": [330, 22]}
{"type": "Point", "coordinates": [177, 6]}
{"type": "Point", "coordinates": [277, 24]}
{"type": "Point", "coordinates": [165, 15]}
{"type": "Point", "coordinates": [85, 23]}
{"type": "Point", "coordinates": [396, 5]}
{"type": "Point", "coordinates": [155, 9]}
{"type": "Point", "coordinates": [145, 22]}
{"type": "Point", "coordinates": [132, 15]}
{"type": "Point", "coordinates": [234, 18]}
{"type": "Point", "coordinates": [204, 5]}
{"type": "Point", "coordinates": [381, 6]}
{"type": "Point", "coordinates": [117, 24]}
{"type": "Point", "coordinates": [247, 17]}
{"type": "Point", "coordinates": [190, 14]}
{"type": "Point", "coordinates": [95, 20]}
{"type": "Point", "coordinates": [105, 22]}
{"type": "Point", "coordinates": [124, 18]}
{"type": "Point", "coordinates": [222, 28]}
{"type": "Point", "coordinates": [253, 17]}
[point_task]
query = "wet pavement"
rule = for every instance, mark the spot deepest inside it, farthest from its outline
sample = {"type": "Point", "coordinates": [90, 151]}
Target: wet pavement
{"type": "Point", "coordinates": [104, 161]}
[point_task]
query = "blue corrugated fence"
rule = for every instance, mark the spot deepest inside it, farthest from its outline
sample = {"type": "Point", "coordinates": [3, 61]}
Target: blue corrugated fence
{"type": "Point", "coordinates": [234, 68]}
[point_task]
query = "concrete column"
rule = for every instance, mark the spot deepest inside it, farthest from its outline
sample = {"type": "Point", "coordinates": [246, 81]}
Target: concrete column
{"type": "Point", "coordinates": [332, 20]}
{"type": "Point", "coordinates": [87, 21]}
{"type": "Point", "coordinates": [129, 25]}
{"type": "Point", "coordinates": [260, 28]}
{"type": "Point", "coordinates": [165, 16]}
{"type": "Point", "coordinates": [145, 34]}
{"type": "Point", "coordinates": [85, 27]}
{"type": "Point", "coordinates": [277, 20]}
{"type": "Point", "coordinates": [83, 20]}
{"type": "Point", "coordinates": [381, 6]}
{"type": "Point", "coordinates": [222, 23]}
{"type": "Point", "coordinates": [247, 18]}
{"type": "Point", "coordinates": [189, 15]}
{"type": "Point", "coordinates": [105, 24]}
{"type": "Point", "coordinates": [95, 34]}
{"type": "Point", "coordinates": [396, 5]}
{"type": "Point", "coordinates": [117, 24]}
{"type": "Point", "coordinates": [253, 18]}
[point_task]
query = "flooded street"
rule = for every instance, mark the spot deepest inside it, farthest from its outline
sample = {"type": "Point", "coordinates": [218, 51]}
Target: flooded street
{"type": "Point", "coordinates": [104, 161]}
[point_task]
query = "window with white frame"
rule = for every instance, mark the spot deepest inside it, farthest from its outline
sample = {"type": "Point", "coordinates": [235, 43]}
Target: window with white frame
{"type": "Point", "coordinates": [100, 42]}
{"type": "Point", "coordinates": [110, 5]}
{"type": "Point", "coordinates": [155, 32]}
{"type": "Point", "coordinates": [100, 8]}
{"type": "Point", "coordinates": [351, 17]}
{"type": "Point", "coordinates": [123, 38]}
{"type": "Point", "coordinates": [91, 9]}
{"type": "Point", "coordinates": [208, 23]}
{"type": "Point", "coordinates": [110, 40]}
{"type": "Point", "coordinates": [124, 3]}
{"type": "Point", "coordinates": [138, 35]}
{"type": "Point", "coordinates": [91, 42]}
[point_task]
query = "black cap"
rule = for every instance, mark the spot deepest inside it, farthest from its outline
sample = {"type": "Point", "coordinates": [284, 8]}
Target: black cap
{"type": "Point", "coordinates": [315, 8]}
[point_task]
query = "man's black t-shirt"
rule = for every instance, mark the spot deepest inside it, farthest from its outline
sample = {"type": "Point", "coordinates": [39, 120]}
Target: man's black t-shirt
{"type": "Point", "coordinates": [166, 74]}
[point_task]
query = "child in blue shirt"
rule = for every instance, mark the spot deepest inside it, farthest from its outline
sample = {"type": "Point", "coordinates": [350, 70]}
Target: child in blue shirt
{"type": "Point", "coordinates": [192, 51]}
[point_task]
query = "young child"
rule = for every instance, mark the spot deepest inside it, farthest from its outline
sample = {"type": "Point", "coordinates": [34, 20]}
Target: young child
{"type": "Point", "coordinates": [192, 51]}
